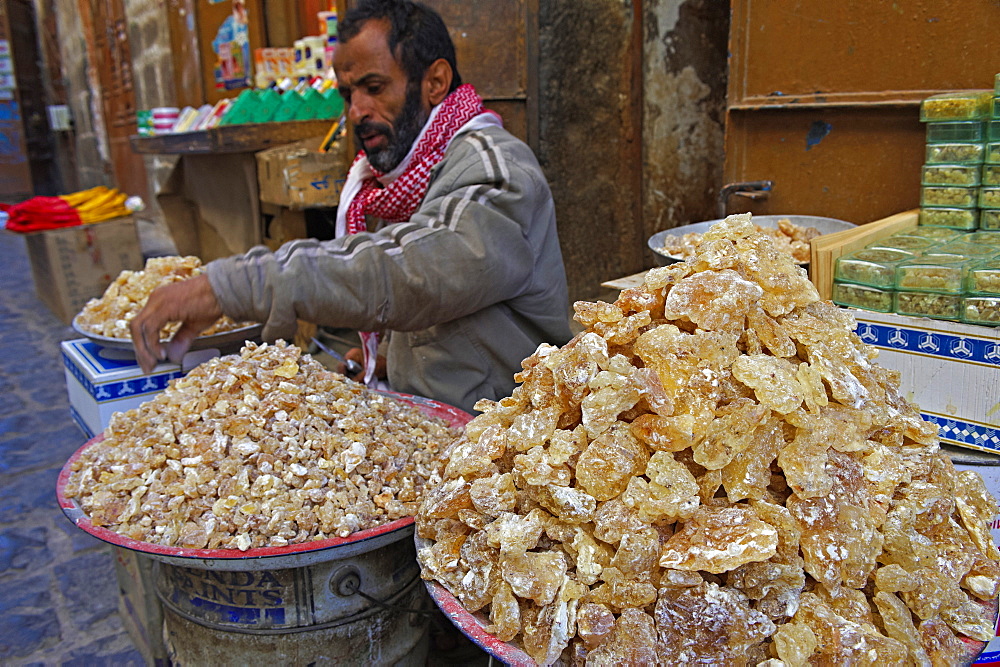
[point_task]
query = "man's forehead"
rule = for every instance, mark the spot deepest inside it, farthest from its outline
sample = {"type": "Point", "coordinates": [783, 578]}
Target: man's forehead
{"type": "Point", "coordinates": [367, 52]}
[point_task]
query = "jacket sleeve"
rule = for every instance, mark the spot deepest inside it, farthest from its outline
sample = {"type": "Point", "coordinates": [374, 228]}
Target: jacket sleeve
{"type": "Point", "coordinates": [467, 247]}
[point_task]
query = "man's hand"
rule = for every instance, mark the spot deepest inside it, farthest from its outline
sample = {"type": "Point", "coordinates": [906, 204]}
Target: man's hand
{"type": "Point", "coordinates": [355, 354]}
{"type": "Point", "coordinates": [191, 302]}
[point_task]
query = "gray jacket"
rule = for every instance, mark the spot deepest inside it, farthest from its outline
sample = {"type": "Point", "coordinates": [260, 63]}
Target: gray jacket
{"type": "Point", "coordinates": [468, 287]}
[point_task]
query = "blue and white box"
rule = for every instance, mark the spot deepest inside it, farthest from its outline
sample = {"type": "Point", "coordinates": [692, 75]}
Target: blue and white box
{"type": "Point", "coordinates": [950, 370]}
{"type": "Point", "coordinates": [103, 380]}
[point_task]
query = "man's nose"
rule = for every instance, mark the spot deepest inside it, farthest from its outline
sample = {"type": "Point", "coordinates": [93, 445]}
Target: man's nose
{"type": "Point", "coordinates": [358, 111]}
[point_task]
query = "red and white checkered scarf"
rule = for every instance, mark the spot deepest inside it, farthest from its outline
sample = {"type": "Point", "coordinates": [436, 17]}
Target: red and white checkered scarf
{"type": "Point", "coordinates": [399, 199]}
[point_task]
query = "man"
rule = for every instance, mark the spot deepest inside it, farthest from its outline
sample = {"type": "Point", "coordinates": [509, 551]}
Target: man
{"type": "Point", "coordinates": [449, 241]}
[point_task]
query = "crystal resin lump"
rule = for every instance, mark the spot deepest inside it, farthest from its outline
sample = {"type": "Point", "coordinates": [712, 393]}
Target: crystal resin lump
{"type": "Point", "coordinates": [714, 471]}
{"type": "Point", "coordinates": [264, 448]}
{"type": "Point", "coordinates": [111, 314]}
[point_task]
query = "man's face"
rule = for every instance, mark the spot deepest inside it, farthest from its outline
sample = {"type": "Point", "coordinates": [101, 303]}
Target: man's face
{"type": "Point", "coordinates": [387, 113]}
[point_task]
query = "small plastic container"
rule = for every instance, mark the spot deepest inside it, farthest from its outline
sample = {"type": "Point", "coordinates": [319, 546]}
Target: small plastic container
{"type": "Point", "coordinates": [934, 232]}
{"type": "Point", "coordinates": [956, 132]}
{"type": "Point", "coordinates": [912, 244]}
{"type": "Point", "coordinates": [862, 296]}
{"type": "Point", "coordinates": [949, 218]}
{"type": "Point", "coordinates": [983, 238]}
{"type": "Point", "coordinates": [991, 154]}
{"type": "Point", "coordinates": [991, 174]}
{"type": "Point", "coordinates": [983, 278]}
{"type": "Point", "coordinates": [989, 197]}
{"type": "Point", "coordinates": [928, 304]}
{"type": "Point", "coordinates": [993, 130]}
{"type": "Point", "coordinates": [942, 273]}
{"type": "Point", "coordinates": [981, 310]}
{"type": "Point", "coordinates": [955, 153]}
{"type": "Point", "coordinates": [950, 174]}
{"type": "Point", "coordinates": [965, 105]}
{"type": "Point", "coordinates": [961, 248]}
{"type": "Point", "coordinates": [995, 107]}
{"type": "Point", "coordinates": [873, 267]}
{"type": "Point", "coordinates": [989, 219]}
{"type": "Point", "coordinates": [949, 196]}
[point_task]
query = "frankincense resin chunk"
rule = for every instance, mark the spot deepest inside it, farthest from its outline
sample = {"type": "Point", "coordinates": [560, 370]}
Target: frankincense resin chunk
{"type": "Point", "coordinates": [714, 471]}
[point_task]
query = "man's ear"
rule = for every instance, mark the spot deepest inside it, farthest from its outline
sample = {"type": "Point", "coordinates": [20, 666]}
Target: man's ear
{"type": "Point", "coordinates": [437, 81]}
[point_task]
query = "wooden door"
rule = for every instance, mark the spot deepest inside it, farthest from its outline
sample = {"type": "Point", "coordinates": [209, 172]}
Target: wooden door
{"type": "Point", "coordinates": [223, 59]}
{"type": "Point", "coordinates": [109, 51]}
{"type": "Point", "coordinates": [824, 97]}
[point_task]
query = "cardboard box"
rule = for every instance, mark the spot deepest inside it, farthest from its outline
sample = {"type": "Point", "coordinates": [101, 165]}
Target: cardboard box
{"type": "Point", "coordinates": [70, 266]}
{"type": "Point", "coordinates": [139, 608]}
{"type": "Point", "coordinates": [101, 381]}
{"type": "Point", "coordinates": [948, 369]}
{"type": "Point", "coordinates": [299, 176]}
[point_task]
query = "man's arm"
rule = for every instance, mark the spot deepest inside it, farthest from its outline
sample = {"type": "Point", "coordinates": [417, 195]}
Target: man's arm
{"type": "Point", "coordinates": [469, 246]}
{"type": "Point", "coordinates": [191, 302]}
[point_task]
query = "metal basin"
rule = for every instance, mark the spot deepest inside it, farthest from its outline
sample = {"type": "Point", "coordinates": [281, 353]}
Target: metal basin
{"type": "Point", "coordinates": [824, 225]}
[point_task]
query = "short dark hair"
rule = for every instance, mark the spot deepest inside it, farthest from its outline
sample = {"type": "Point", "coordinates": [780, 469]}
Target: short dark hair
{"type": "Point", "coordinates": [417, 34]}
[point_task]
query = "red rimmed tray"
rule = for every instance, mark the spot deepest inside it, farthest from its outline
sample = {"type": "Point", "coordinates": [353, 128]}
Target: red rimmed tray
{"type": "Point", "coordinates": [264, 558]}
{"type": "Point", "coordinates": [473, 626]}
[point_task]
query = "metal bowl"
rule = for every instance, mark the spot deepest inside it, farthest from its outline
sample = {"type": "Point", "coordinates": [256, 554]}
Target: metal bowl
{"type": "Point", "coordinates": [293, 555]}
{"type": "Point", "coordinates": [824, 225]}
{"type": "Point", "coordinates": [217, 340]}
{"type": "Point", "coordinates": [473, 626]}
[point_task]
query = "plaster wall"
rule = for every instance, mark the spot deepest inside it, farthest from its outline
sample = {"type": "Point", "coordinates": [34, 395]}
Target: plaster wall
{"type": "Point", "coordinates": [631, 105]}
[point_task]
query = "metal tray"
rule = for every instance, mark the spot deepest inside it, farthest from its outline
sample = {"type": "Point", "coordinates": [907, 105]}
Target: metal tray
{"type": "Point", "coordinates": [222, 339]}
{"type": "Point", "coordinates": [262, 558]}
{"type": "Point", "coordinates": [473, 625]}
{"type": "Point", "coordinates": [824, 225]}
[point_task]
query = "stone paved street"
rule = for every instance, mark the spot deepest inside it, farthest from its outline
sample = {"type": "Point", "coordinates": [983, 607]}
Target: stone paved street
{"type": "Point", "coordinates": [59, 599]}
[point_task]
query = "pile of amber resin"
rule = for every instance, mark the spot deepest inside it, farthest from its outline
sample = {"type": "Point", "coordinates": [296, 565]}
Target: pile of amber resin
{"type": "Point", "coordinates": [264, 448]}
{"type": "Point", "coordinates": [714, 472]}
{"type": "Point", "coordinates": [125, 297]}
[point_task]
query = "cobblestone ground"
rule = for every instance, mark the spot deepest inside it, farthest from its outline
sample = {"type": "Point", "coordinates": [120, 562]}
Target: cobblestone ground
{"type": "Point", "coordinates": [59, 597]}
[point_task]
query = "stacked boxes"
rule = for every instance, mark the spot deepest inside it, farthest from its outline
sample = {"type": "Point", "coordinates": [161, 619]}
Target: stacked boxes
{"type": "Point", "coordinates": [925, 271]}
{"type": "Point", "coordinates": [989, 193]}
{"type": "Point", "coordinates": [961, 177]}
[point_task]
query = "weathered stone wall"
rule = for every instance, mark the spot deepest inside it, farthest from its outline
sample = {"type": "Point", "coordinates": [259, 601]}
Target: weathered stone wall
{"type": "Point", "coordinates": [585, 133]}
{"type": "Point", "coordinates": [684, 74]}
{"type": "Point", "coordinates": [89, 136]}
{"type": "Point", "coordinates": [152, 69]}
{"type": "Point", "coordinates": [631, 109]}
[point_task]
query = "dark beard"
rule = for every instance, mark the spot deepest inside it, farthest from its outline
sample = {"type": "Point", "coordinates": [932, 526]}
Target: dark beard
{"type": "Point", "coordinates": [404, 131]}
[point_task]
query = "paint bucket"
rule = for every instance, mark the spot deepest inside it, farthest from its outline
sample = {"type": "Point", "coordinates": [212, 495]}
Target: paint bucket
{"type": "Point", "coordinates": [299, 615]}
